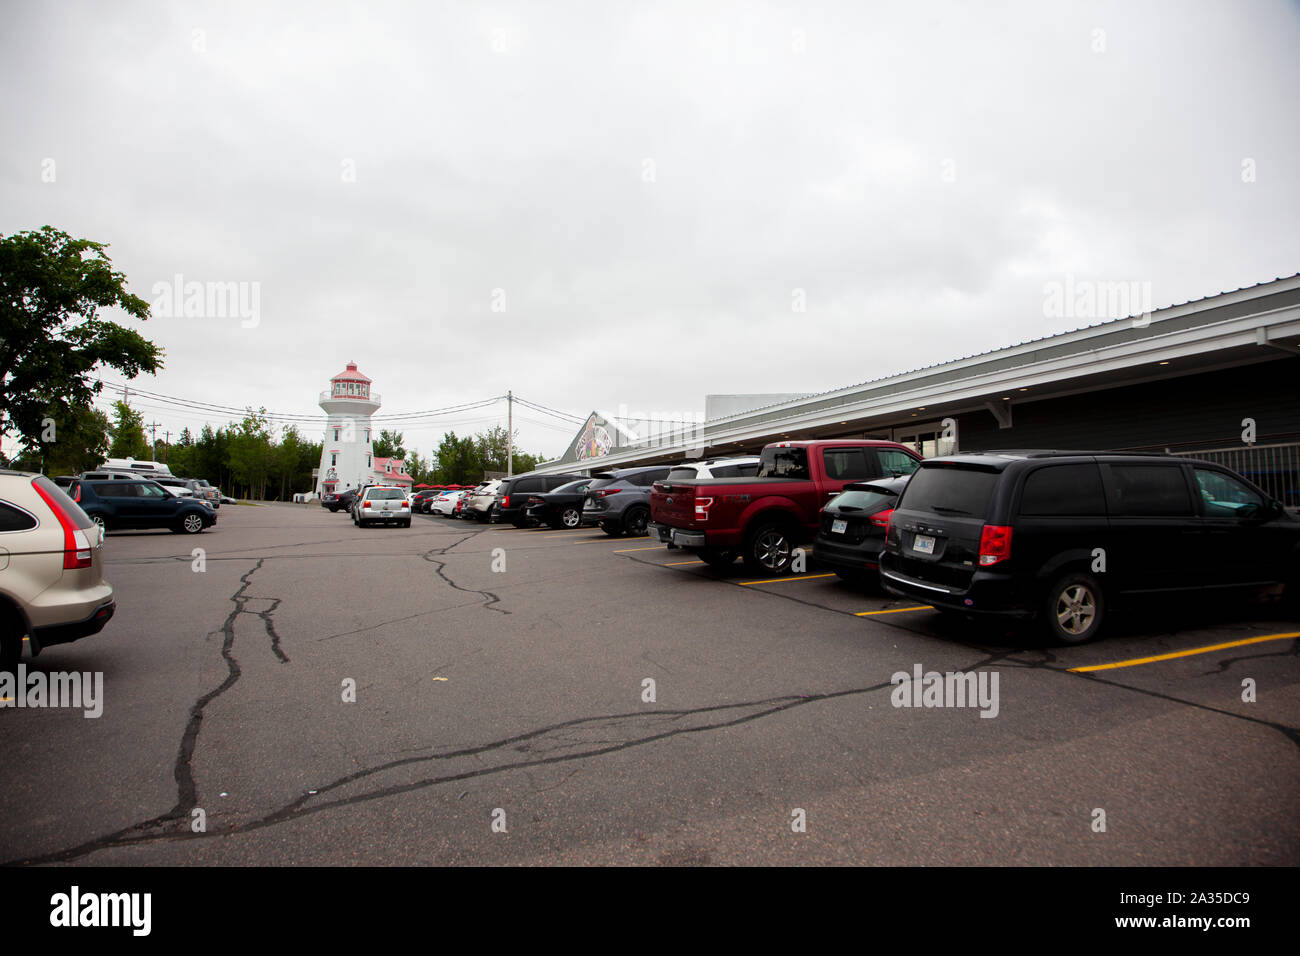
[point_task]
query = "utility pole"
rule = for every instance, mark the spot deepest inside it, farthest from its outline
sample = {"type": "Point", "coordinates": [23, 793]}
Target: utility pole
{"type": "Point", "coordinates": [167, 444]}
{"type": "Point", "coordinates": [510, 433]}
{"type": "Point", "coordinates": [153, 440]}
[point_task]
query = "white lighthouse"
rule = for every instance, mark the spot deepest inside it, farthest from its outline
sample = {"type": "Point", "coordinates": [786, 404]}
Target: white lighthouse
{"type": "Point", "coordinates": [347, 455]}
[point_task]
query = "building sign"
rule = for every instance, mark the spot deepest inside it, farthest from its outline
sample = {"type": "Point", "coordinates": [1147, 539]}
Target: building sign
{"type": "Point", "coordinates": [593, 442]}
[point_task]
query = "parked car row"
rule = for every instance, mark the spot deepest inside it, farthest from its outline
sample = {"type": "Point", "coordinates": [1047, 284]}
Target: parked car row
{"type": "Point", "coordinates": [1058, 538]}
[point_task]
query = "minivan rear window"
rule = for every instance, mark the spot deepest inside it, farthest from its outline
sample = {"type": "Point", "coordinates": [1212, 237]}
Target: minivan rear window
{"type": "Point", "coordinates": [950, 491]}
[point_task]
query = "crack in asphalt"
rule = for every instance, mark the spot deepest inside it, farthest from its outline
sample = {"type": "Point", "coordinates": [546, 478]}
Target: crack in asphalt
{"type": "Point", "coordinates": [1006, 657]}
{"type": "Point", "coordinates": [432, 556]}
{"type": "Point", "coordinates": [307, 804]}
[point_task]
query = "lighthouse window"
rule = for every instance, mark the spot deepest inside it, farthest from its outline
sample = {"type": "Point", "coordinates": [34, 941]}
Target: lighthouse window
{"type": "Point", "coordinates": [334, 459]}
{"type": "Point", "coordinates": [336, 434]}
{"type": "Point", "coordinates": [368, 465]}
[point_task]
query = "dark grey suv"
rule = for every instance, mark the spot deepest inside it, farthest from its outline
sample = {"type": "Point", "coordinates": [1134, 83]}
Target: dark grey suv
{"type": "Point", "coordinates": [619, 500]}
{"type": "Point", "coordinates": [1061, 536]}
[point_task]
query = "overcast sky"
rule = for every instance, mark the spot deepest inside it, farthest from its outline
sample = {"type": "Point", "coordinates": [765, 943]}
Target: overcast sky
{"type": "Point", "coordinates": [653, 188]}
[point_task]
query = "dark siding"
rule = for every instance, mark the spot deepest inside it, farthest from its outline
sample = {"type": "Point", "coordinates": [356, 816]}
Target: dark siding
{"type": "Point", "coordinates": [1196, 411]}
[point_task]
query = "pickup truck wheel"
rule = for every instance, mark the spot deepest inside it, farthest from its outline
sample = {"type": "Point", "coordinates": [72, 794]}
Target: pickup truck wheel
{"type": "Point", "coordinates": [769, 549]}
{"type": "Point", "coordinates": [637, 521]}
{"type": "Point", "coordinates": [1074, 609]}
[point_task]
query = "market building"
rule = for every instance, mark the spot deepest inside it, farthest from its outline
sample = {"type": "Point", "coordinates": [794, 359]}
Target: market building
{"type": "Point", "coordinates": [1216, 378]}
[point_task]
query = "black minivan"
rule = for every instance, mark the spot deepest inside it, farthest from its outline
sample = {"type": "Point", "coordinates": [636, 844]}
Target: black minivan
{"type": "Point", "coordinates": [1060, 536]}
{"type": "Point", "coordinates": [512, 496]}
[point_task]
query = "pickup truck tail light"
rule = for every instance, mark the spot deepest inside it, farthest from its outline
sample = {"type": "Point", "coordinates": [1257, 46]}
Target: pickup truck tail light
{"type": "Point", "coordinates": [995, 544]}
{"type": "Point", "coordinates": [76, 546]}
{"type": "Point", "coordinates": [702, 506]}
{"type": "Point", "coordinates": [881, 519]}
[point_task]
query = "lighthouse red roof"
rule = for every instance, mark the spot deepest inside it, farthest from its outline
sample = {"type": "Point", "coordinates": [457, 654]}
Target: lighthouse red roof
{"type": "Point", "coordinates": [350, 374]}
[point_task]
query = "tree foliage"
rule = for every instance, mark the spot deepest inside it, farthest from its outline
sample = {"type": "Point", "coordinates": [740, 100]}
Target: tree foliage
{"type": "Point", "coordinates": [52, 335]}
{"type": "Point", "coordinates": [389, 444]}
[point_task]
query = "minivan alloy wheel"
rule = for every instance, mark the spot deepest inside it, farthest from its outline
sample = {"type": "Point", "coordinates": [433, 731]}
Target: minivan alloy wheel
{"type": "Point", "coordinates": [1075, 609]}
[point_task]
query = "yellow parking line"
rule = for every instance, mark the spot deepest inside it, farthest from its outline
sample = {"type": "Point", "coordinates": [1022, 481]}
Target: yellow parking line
{"type": "Point", "coordinates": [674, 564]}
{"type": "Point", "coordinates": [790, 577]}
{"type": "Point", "coordinates": [1188, 653]}
{"type": "Point", "coordinates": [894, 610]}
{"type": "Point", "coordinates": [630, 550]}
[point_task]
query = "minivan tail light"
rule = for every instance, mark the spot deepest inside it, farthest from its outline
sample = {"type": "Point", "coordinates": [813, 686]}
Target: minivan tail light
{"type": "Point", "coordinates": [76, 546]}
{"type": "Point", "coordinates": [702, 506]}
{"type": "Point", "coordinates": [995, 544]}
{"type": "Point", "coordinates": [505, 501]}
{"type": "Point", "coordinates": [881, 519]}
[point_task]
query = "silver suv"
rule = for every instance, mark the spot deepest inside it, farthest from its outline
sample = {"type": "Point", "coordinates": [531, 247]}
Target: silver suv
{"type": "Point", "coordinates": [52, 586]}
{"type": "Point", "coordinates": [480, 504]}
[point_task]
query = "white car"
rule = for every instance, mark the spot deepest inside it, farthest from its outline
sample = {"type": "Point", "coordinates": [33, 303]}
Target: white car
{"type": "Point", "coordinates": [445, 503]}
{"type": "Point", "coordinates": [382, 504]}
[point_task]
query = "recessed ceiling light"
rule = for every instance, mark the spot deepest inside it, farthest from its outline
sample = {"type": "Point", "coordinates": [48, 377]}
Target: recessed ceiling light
{"type": "Point", "coordinates": [1164, 363]}
{"type": "Point", "coordinates": [1024, 389]}
{"type": "Point", "coordinates": [1006, 398]}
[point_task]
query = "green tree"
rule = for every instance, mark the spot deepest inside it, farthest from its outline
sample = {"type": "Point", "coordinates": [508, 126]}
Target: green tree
{"type": "Point", "coordinates": [389, 444]}
{"type": "Point", "coordinates": [127, 432]}
{"type": "Point", "coordinates": [458, 462]}
{"type": "Point", "coordinates": [250, 453]}
{"type": "Point", "coordinates": [52, 337]}
{"type": "Point", "coordinates": [80, 441]}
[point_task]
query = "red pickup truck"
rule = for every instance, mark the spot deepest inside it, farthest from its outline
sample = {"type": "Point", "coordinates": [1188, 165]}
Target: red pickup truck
{"type": "Point", "coordinates": [765, 518]}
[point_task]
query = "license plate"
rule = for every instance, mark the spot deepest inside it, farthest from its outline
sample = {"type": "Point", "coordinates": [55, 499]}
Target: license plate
{"type": "Point", "coordinates": [923, 544]}
{"type": "Point", "coordinates": [839, 526]}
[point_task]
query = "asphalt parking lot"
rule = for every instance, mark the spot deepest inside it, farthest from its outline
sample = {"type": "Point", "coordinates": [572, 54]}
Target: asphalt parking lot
{"type": "Point", "coordinates": [502, 715]}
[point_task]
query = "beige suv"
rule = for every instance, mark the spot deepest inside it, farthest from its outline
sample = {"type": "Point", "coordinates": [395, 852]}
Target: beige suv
{"type": "Point", "coordinates": [52, 587]}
